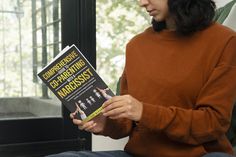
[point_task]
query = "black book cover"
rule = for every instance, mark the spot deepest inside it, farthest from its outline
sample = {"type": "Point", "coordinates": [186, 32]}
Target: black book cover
{"type": "Point", "coordinates": [76, 83]}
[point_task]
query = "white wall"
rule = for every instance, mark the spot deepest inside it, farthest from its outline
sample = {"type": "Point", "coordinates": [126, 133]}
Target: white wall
{"type": "Point", "coordinates": [100, 143]}
{"type": "Point", "coordinates": [220, 3]}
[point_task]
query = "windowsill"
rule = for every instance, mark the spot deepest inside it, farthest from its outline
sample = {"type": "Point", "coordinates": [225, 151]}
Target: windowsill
{"type": "Point", "coordinates": [28, 107]}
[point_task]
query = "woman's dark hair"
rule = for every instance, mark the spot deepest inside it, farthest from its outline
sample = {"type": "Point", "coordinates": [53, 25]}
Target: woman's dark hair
{"type": "Point", "coordinates": [189, 15]}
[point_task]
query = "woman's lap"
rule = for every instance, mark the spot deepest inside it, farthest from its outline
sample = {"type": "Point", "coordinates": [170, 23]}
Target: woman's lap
{"type": "Point", "coordinates": [117, 154]}
{"type": "Point", "coordinates": [217, 154]}
{"type": "Point", "coordinates": [92, 154]}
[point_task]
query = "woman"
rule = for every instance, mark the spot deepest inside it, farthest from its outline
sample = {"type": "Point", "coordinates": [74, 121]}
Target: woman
{"type": "Point", "coordinates": [176, 97]}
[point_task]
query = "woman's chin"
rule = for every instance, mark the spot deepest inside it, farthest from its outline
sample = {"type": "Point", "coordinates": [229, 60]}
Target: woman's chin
{"type": "Point", "coordinates": [157, 19]}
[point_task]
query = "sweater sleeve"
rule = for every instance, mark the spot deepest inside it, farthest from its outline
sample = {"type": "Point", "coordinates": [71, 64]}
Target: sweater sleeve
{"type": "Point", "coordinates": [210, 118]}
{"type": "Point", "coordinates": [121, 127]}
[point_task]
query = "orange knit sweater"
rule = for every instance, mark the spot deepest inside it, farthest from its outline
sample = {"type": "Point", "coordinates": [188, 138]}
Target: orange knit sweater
{"type": "Point", "coordinates": [187, 86]}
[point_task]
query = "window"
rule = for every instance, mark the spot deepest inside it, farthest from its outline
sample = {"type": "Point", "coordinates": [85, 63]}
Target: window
{"type": "Point", "coordinates": [31, 33]}
{"type": "Point", "coordinates": [121, 20]}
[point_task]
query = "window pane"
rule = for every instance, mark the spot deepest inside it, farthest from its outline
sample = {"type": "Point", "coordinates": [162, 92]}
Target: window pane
{"type": "Point", "coordinates": [30, 35]}
{"type": "Point", "coordinates": [117, 23]}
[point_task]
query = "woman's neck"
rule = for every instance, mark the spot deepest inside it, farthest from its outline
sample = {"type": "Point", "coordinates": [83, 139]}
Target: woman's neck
{"type": "Point", "coordinates": [170, 24]}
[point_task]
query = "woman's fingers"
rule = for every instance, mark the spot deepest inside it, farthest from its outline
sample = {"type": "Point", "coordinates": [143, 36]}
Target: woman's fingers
{"type": "Point", "coordinates": [95, 125]}
{"type": "Point", "coordinates": [118, 116]}
{"type": "Point", "coordinates": [91, 127]}
{"type": "Point", "coordinates": [111, 101]}
{"type": "Point", "coordinates": [86, 126]}
{"type": "Point", "coordinates": [77, 121]}
{"type": "Point", "coordinates": [114, 110]}
{"type": "Point", "coordinates": [124, 106]}
{"type": "Point", "coordinates": [72, 115]}
{"type": "Point", "coordinates": [113, 104]}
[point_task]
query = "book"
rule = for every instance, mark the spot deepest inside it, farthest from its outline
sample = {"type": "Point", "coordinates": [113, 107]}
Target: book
{"type": "Point", "coordinates": [76, 83]}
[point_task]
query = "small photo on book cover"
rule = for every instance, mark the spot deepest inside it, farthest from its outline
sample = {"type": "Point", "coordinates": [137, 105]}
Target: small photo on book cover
{"type": "Point", "coordinates": [76, 83]}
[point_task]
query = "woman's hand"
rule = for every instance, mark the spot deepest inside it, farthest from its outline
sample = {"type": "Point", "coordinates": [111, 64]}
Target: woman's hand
{"type": "Point", "coordinates": [96, 125]}
{"type": "Point", "coordinates": [124, 106]}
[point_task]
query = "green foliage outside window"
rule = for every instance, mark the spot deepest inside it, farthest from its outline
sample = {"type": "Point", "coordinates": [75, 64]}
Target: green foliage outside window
{"type": "Point", "coordinates": [117, 22]}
